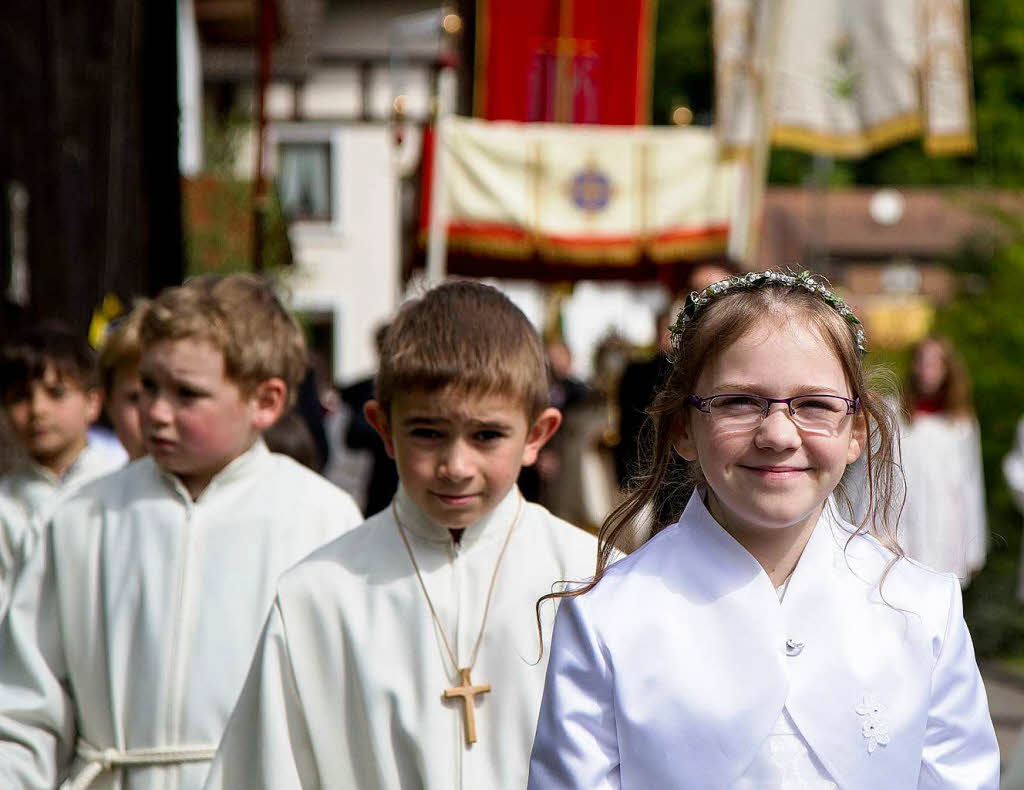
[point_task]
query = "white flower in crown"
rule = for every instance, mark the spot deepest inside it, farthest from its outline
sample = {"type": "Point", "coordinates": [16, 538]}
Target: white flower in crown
{"type": "Point", "coordinates": [875, 724]}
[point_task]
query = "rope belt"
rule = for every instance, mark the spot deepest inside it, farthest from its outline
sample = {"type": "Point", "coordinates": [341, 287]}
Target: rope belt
{"type": "Point", "coordinates": [99, 761]}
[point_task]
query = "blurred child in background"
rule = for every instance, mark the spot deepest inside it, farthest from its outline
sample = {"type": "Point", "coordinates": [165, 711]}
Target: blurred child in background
{"type": "Point", "coordinates": [119, 375]}
{"type": "Point", "coordinates": [50, 398]}
{"type": "Point", "coordinates": [943, 524]}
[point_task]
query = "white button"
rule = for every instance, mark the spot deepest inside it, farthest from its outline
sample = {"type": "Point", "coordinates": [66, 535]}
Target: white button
{"type": "Point", "coordinates": [794, 647]}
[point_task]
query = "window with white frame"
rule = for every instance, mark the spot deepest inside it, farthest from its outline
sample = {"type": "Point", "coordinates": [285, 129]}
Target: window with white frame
{"type": "Point", "coordinates": [304, 180]}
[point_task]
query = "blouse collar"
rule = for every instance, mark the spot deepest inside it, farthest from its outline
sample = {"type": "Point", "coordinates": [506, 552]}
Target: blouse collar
{"type": "Point", "coordinates": [726, 564]}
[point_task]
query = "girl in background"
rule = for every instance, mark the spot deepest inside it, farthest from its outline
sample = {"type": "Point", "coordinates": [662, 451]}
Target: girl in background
{"type": "Point", "coordinates": [943, 524]}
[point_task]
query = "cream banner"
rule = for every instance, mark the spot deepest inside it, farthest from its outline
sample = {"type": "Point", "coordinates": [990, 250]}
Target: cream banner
{"type": "Point", "coordinates": [850, 76]}
{"type": "Point", "coordinates": [588, 194]}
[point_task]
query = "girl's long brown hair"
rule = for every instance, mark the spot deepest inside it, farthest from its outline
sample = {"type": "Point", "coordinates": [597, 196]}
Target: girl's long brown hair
{"type": "Point", "coordinates": [662, 489]}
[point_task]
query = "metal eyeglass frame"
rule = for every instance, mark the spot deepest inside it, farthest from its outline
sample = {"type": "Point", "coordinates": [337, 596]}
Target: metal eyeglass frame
{"type": "Point", "coordinates": [704, 404]}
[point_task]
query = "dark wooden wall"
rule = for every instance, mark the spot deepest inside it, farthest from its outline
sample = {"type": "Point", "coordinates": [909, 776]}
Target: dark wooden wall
{"type": "Point", "coordinates": [89, 111]}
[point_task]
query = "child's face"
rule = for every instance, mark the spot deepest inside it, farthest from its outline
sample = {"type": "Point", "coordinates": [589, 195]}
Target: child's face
{"type": "Point", "coordinates": [459, 455]}
{"type": "Point", "coordinates": [51, 417]}
{"type": "Point", "coordinates": [195, 420]}
{"type": "Point", "coordinates": [929, 368]}
{"type": "Point", "coordinates": [773, 476]}
{"type": "Point", "coordinates": [123, 409]}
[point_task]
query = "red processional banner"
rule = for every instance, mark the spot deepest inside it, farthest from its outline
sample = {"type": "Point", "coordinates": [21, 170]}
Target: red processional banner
{"type": "Point", "coordinates": [564, 61]}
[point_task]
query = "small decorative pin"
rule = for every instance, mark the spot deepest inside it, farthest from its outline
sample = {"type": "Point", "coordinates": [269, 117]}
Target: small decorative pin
{"type": "Point", "coordinates": [794, 647]}
{"type": "Point", "coordinates": [875, 722]}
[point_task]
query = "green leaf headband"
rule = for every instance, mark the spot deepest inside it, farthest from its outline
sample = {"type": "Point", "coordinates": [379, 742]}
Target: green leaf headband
{"type": "Point", "coordinates": [752, 281]}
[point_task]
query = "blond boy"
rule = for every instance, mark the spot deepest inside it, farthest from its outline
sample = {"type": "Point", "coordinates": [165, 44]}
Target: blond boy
{"type": "Point", "coordinates": [405, 653]}
{"type": "Point", "coordinates": [131, 628]}
{"type": "Point", "coordinates": [119, 375]}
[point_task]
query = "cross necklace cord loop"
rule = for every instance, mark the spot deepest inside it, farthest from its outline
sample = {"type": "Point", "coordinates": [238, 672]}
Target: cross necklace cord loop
{"type": "Point", "coordinates": [466, 690]}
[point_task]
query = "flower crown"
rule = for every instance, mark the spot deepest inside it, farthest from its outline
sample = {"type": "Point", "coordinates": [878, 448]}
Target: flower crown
{"type": "Point", "coordinates": [752, 281]}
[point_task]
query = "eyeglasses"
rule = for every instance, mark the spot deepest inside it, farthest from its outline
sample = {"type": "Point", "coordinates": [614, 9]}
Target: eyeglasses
{"type": "Point", "coordinates": [821, 414]}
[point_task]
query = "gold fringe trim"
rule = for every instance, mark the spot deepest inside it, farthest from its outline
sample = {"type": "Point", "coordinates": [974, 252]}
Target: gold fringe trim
{"type": "Point", "coordinates": [624, 254]}
{"type": "Point", "coordinates": [497, 248]}
{"type": "Point", "coordinates": [865, 142]}
{"type": "Point", "coordinates": [686, 249]}
{"type": "Point", "coordinates": [960, 144]}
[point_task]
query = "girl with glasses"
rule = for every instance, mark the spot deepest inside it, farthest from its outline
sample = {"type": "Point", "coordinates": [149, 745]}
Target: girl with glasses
{"type": "Point", "coordinates": [763, 641]}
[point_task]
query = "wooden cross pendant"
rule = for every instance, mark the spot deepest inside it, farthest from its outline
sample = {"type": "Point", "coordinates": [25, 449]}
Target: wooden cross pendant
{"type": "Point", "coordinates": [468, 692]}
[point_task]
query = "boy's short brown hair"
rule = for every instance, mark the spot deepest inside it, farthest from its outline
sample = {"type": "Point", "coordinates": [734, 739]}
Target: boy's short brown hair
{"type": "Point", "coordinates": [27, 356]}
{"type": "Point", "coordinates": [122, 346]}
{"type": "Point", "coordinates": [467, 336]}
{"type": "Point", "coordinates": [239, 314]}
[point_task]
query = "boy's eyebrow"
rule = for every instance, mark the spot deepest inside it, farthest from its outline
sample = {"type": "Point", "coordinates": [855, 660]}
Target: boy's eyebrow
{"type": "Point", "coordinates": [417, 419]}
{"type": "Point", "coordinates": [422, 419]}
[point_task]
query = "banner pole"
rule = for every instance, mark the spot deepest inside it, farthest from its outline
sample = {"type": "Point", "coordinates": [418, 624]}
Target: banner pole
{"type": "Point", "coordinates": [761, 155]}
{"type": "Point", "coordinates": [437, 228]}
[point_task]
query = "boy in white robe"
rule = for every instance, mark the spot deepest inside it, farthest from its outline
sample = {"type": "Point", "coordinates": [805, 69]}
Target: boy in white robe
{"type": "Point", "coordinates": [131, 628]}
{"type": "Point", "coordinates": [405, 653]}
{"type": "Point", "coordinates": [50, 398]}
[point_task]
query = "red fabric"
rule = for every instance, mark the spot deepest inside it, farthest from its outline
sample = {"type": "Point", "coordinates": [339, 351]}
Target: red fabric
{"type": "Point", "coordinates": [426, 177]}
{"type": "Point", "coordinates": [566, 61]}
{"type": "Point", "coordinates": [929, 406]}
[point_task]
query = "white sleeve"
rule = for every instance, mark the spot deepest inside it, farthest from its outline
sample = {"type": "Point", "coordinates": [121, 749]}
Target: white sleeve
{"type": "Point", "coordinates": [976, 528]}
{"type": "Point", "coordinates": [960, 750]}
{"type": "Point", "coordinates": [1013, 468]}
{"type": "Point", "coordinates": [266, 743]}
{"type": "Point", "coordinates": [37, 713]}
{"type": "Point", "coordinates": [576, 745]}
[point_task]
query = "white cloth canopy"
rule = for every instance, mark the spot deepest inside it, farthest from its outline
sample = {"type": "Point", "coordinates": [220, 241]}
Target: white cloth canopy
{"type": "Point", "coordinates": [849, 76]}
{"type": "Point", "coordinates": [586, 194]}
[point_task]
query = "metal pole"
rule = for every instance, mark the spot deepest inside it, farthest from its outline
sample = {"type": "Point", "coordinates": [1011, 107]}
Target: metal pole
{"type": "Point", "coordinates": [259, 193]}
{"type": "Point", "coordinates": [437, 230]}
{"type": "Point", "coordinates": [761, 155]}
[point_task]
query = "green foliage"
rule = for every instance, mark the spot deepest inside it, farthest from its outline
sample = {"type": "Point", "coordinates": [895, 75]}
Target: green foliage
{"type": "Point", "coordinates": [682, 60]}
{"type": "Point", "coordinates": [218, 228]}
{"type": "Point", "coordinates": [987, 327]}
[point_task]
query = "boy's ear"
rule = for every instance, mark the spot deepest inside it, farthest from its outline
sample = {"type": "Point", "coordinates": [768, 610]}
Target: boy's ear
{"type": "Point", "coordinates": [858, 437]}
{"type": "Point", "coordinates": [543, 428]}
{"type": "Point", "coordinates": [377, 417]}
{"type": "Point", "coordinates": [93, 405]}
{"type": "Point", "coordinates": [682, 437]}
{"type": "Point", "coordinates": [269, 401]}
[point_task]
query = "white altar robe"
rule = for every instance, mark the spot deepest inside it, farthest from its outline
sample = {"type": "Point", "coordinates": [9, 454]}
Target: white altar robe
{"type": "Point", "coordinates": [134, 623]}
{"type": "Point", "coordinates": [40, 491]}
{"type": "Point", "coordinates": [675, 668]}
{"type": "Point", "coordinates": [14, 527]}
{"type": "Point", "coordinates": [943, 524]}
{"type": "Point", "coordinates": [346, 690]}
{"type": "Point", "coordinates": [29, 495]}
